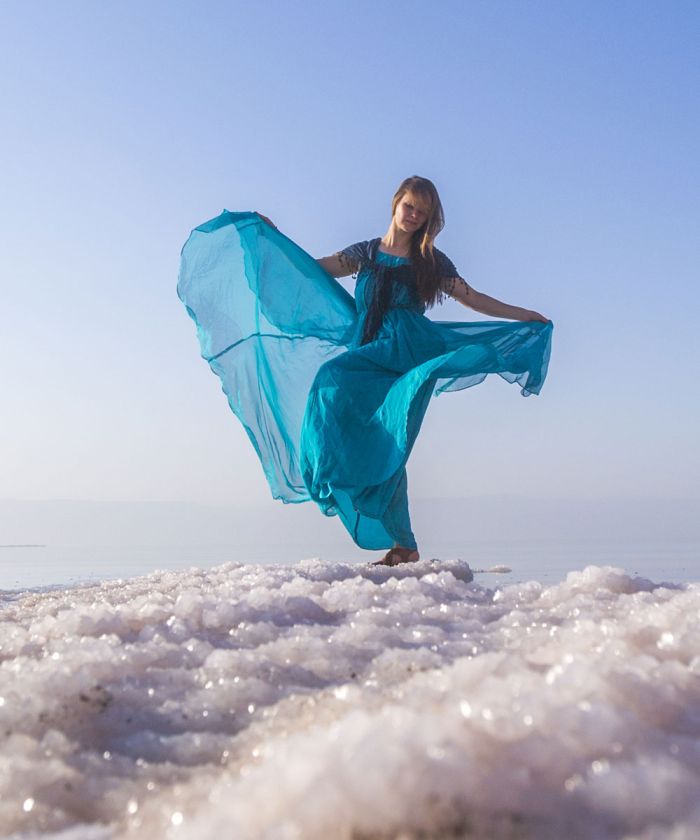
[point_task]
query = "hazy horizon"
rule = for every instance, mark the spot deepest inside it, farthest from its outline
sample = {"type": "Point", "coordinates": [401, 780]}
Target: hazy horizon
{"type": "Point", "coordinates": [437, 519]}
{"type": "Point", "coordinates": [540, 539]}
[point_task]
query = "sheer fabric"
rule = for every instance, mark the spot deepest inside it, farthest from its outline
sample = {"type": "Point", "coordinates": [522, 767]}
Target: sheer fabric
{"type": "Point", "coordinates": [331, 420]}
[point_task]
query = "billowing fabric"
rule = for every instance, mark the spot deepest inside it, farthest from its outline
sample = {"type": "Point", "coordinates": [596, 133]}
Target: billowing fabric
{"type": "Point", "coordinates": [332, 420]}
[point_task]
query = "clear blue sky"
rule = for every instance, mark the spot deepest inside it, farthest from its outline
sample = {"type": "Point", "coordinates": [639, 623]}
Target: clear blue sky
{"type": "Point", "coordinates": [563, 137]}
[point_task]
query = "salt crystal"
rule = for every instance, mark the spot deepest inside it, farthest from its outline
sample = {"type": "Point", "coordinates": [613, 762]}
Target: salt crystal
{"type": "Point", "coordinates": [340, 703]}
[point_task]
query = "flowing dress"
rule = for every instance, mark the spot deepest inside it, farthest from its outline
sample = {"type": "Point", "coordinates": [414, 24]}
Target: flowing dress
{"type": "Point", "coordinates": [334, 420]}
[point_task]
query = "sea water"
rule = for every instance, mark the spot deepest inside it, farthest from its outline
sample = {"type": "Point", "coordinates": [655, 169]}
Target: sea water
{"type": "Point", "coordinates": [337, 700]}
{"type": "Point", "coordinates": [546, 560]}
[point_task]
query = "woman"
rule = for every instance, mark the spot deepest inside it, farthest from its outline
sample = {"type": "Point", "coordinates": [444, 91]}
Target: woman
{"type": "Point", "coordinates": [331, 390]}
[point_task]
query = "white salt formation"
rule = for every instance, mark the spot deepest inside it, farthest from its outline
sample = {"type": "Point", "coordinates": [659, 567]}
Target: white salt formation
{"type": "Point", "coordinates": [322, 701]}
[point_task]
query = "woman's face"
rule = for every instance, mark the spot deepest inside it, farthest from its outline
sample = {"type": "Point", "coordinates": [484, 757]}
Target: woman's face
{"type": "Point", "coordinates": [411, 212]}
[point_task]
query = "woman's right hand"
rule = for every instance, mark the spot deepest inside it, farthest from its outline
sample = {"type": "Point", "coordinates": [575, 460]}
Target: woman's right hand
{"type": "Point", "coordinates": [265, 219]}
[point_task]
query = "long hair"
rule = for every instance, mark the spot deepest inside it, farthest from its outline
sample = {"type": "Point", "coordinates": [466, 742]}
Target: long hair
{"type": "Point", "coordinates": [428, 285]}
{"type": "Point", "coordinates": [422, 256]}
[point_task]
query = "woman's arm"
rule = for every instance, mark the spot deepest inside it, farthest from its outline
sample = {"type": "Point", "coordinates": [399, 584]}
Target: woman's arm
{"type": "Point", "coordinates": [339, 265]}
{"type": "Point", "coordinates": [456, 287]}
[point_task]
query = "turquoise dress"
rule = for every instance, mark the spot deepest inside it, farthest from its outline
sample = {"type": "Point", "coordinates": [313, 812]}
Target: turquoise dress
{"type": "Point", "coordinates": [334, 420]}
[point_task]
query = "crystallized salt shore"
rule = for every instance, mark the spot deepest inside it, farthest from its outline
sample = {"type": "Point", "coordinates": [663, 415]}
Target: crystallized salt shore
{"type": "Point", "coordinates": [331, 701]}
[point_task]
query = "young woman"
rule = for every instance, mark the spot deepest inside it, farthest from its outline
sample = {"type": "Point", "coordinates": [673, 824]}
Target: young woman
{"type": "Point", "coordinates": [333, 390]}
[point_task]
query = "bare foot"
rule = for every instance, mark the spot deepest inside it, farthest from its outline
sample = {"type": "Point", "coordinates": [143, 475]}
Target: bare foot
{"type": "Point", "coordinates": [397, 555]}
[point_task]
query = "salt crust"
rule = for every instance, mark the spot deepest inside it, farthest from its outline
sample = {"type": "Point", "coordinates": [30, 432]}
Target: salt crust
{"type": "Point", "coordinates": [334, 701]}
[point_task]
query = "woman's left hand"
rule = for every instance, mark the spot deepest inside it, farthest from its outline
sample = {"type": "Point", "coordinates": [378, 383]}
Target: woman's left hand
{"type": "Point", "coordinates": [531, 315]}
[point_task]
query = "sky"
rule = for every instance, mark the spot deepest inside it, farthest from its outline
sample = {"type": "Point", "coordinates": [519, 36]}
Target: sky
{"type": "Point", "coordinates": [562, 137]}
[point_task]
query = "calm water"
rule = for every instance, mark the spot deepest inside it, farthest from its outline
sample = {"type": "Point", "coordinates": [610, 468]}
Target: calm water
{"type": "Point", "coordinates": [546, 561]}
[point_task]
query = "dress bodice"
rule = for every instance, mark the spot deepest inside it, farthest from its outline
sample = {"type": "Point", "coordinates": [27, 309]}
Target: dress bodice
{"type": "Point", "coordinates": [404, 294]}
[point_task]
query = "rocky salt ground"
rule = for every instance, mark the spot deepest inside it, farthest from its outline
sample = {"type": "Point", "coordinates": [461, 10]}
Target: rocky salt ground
{"type": "Point", "coordinates": [332, 701]}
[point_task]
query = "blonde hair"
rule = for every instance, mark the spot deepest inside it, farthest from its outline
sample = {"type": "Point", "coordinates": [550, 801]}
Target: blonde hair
{"type": "Point", "coordinates": [422, 256]}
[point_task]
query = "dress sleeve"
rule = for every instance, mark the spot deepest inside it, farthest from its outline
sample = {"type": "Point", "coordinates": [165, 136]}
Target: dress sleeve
{"type": "Point", "coordinates": [445, 267]}
{"type": "Point", "coordinates": [450, 278]}
{"type": "Point", "coordinates": [353, 257]}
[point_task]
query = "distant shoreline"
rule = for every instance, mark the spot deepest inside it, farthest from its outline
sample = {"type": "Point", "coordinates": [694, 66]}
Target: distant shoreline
{"type": "Point", "coordinates": [25, 545]}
